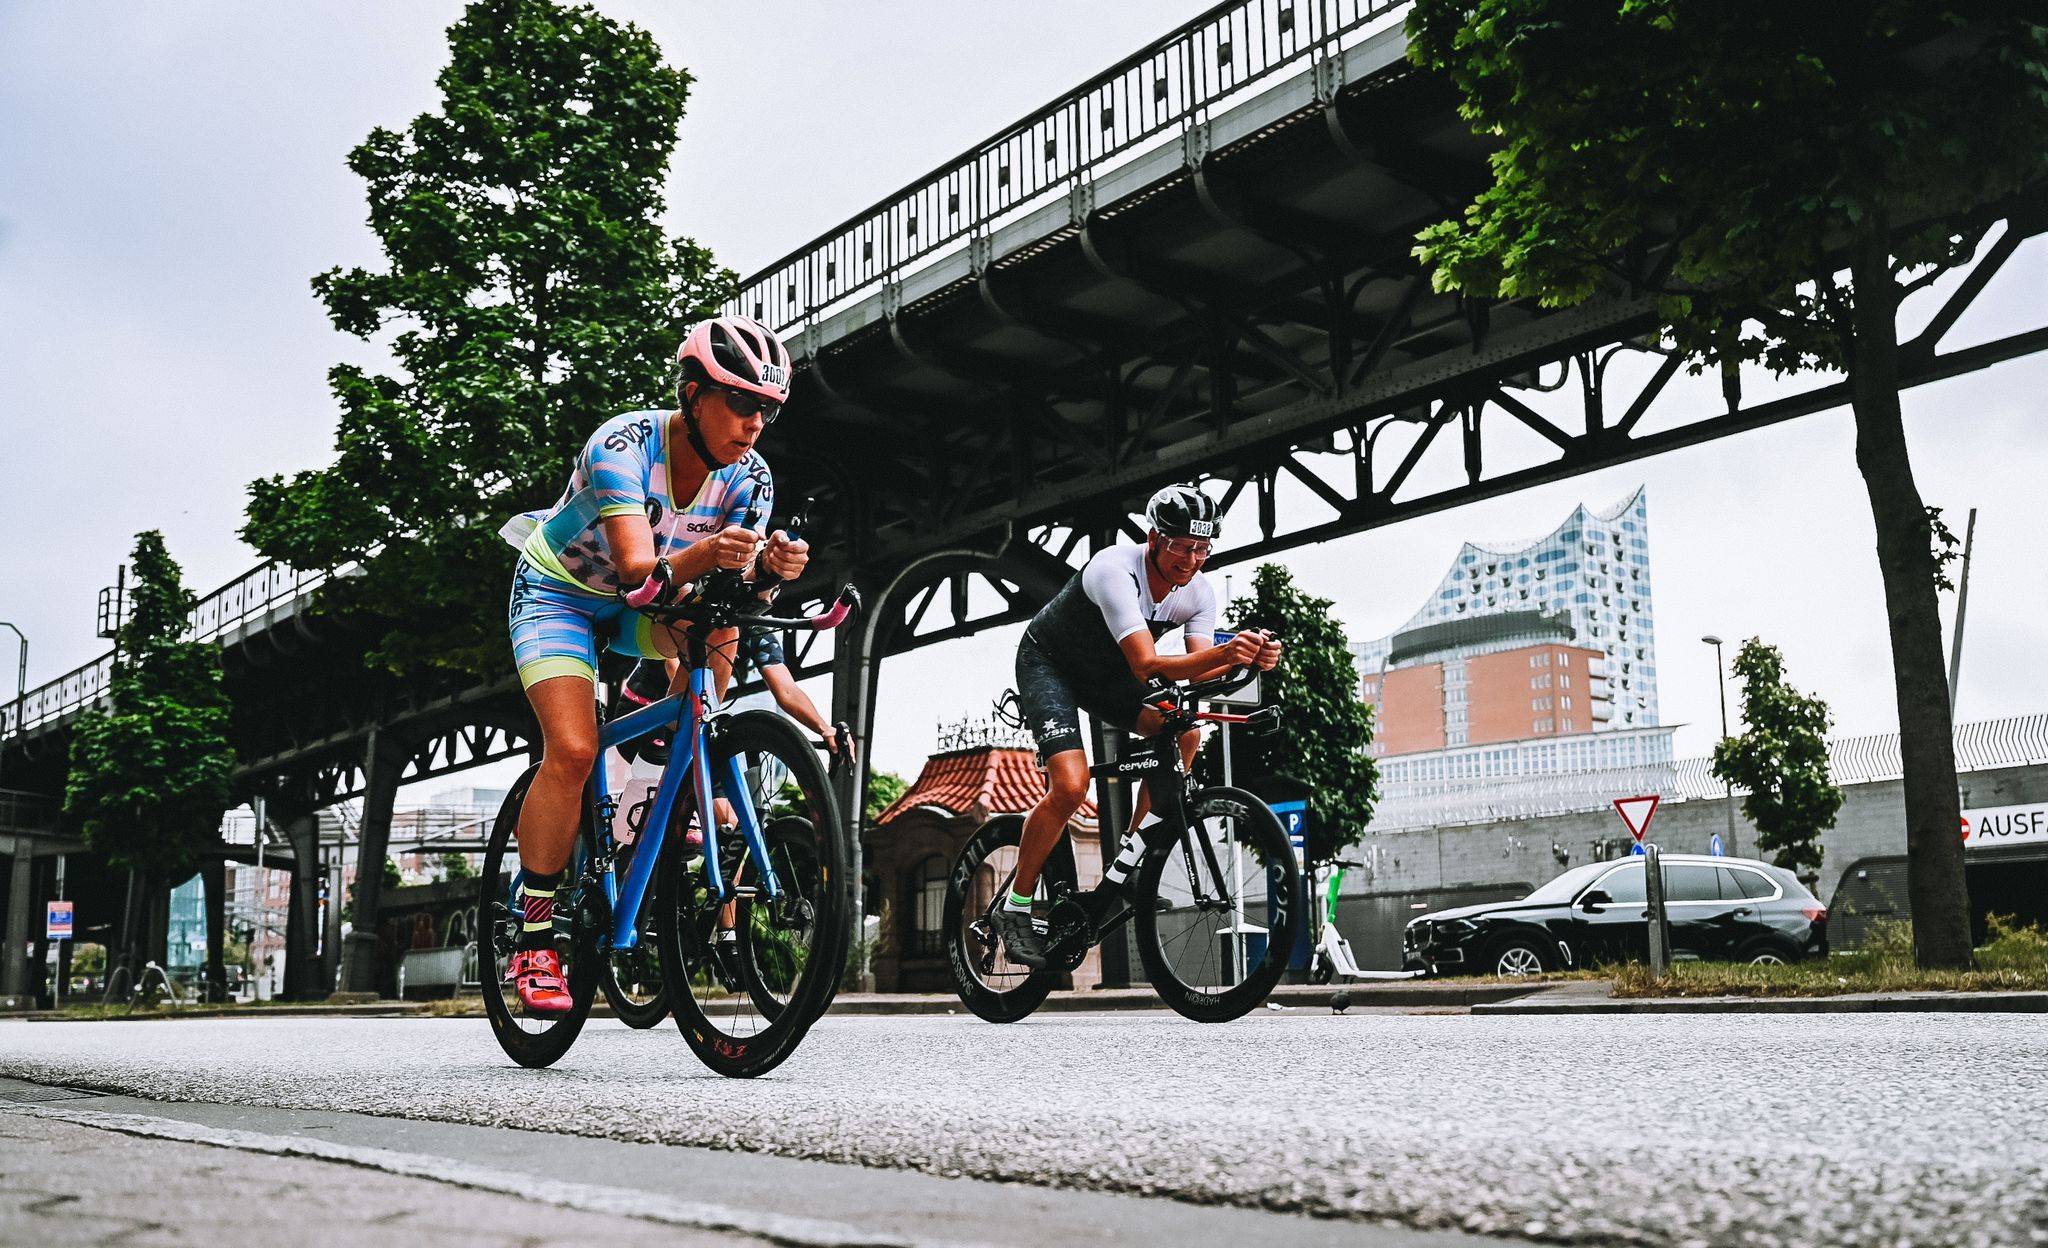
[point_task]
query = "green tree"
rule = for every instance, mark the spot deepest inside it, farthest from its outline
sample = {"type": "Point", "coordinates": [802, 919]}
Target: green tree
{"type": "Point", "coordinates": [1780, 176]}
{"type": "Point", "coordinates": [150, 775]}
{"type": "Point", "coordinates": [1781, 757]}
{"type": "Point", "coordinates": [528, 293]}
{"type": "Point", "coordinates": [457, 867]}
{"type": "Point", "coordinates": [884, 787]}
{"type": "Point", "coordinates": [1325, 726]}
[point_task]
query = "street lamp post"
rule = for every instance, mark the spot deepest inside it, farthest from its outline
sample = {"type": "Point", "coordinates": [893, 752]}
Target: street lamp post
{"type": "Point", "coordinates": [1727, 789]}
{"type": "Point", "coordinates": [20, 681]}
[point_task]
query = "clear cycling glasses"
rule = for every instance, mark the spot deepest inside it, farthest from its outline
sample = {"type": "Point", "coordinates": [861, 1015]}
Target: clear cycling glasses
{"type": "Point", "coordinates": [1186, 547]}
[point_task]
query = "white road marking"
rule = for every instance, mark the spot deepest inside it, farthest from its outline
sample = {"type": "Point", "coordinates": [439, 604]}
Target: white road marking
{"type": "Point", "coordinates": [588, 1197]}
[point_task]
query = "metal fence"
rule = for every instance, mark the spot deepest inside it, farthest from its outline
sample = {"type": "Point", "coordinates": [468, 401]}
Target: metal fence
{"type": "Point", "coordinates": [1135, 105]}
{"type": "Point", "coordinates": [251, 596]}
{"type": "Point", "coordinates": [30, 813]}
{"type": "Point", "coordinates": [1980, 745]}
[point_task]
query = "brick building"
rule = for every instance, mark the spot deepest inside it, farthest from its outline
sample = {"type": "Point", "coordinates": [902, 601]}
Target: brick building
{"type": "Point", "coordinates": [979, 771]}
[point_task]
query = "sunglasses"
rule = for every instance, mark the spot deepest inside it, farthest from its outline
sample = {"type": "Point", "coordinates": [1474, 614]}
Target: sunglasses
{"type": "Point", "coordinates": [1186, 548]}
{"type": "Point", "coordinates": [747, 405]}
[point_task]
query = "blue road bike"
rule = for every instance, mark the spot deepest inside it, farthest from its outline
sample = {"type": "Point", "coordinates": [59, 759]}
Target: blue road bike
{"type": "Point", "coordinates": [750, 906]}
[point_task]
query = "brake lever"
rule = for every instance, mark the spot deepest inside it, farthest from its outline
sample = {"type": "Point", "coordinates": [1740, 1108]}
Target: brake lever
{"type": "Point", "coordinates": [795, 528]}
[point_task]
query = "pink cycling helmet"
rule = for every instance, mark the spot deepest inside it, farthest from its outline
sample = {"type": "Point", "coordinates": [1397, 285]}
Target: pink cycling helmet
{"type": "Point", "coordinates": [736, 352]}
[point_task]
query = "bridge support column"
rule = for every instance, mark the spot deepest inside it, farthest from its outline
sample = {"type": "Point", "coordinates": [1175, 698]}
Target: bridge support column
{"type": "Point", "coordinates": [20, 896]}
{"type": "Point", "coordinates": [302, 976]}
{"type": "Point", "coordinates": [383, 763]}
{"type": "Point", "coordinates": [1112, 815]}
{"type": "Point", "coordinates": [853, 703]}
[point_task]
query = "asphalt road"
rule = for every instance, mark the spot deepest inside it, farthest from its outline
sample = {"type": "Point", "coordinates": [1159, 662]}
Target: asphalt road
{"type": "Point", "coordinates": [1845, 1130]}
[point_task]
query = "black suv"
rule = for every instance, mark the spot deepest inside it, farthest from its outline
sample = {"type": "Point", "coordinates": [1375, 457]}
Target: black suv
{"type": "Point", "coordinates": [1724, 909]}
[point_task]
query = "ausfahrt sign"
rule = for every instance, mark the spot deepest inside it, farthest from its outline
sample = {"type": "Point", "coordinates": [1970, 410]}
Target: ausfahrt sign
{"type": "Point", "coordinates": [2006, 825]}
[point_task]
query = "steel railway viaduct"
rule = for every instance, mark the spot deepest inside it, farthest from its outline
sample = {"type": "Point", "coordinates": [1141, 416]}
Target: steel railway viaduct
{"type": "Point", "coordinates": [1195, 265]}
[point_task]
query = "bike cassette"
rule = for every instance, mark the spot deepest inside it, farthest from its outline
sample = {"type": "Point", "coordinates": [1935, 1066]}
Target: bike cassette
{"type": "Point", "coordinates": [1069, 934]}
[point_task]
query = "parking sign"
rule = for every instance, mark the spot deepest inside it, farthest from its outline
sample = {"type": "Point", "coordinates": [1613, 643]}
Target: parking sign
{"type": "Point", "coordinates": [59, 921]}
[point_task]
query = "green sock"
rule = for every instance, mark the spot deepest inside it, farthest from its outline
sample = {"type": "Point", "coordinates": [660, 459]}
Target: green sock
{"type": "Point", "coordinates": [1016, 902]}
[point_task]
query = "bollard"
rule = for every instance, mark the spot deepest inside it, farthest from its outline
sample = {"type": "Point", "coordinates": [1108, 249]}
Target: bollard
{"type": "Point", "coordinates": [1660, 927]}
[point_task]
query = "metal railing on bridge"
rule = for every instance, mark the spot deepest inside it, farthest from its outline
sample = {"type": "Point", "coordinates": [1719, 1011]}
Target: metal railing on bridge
{"type": "Point", "coordinates": [1980, 746]}
{"type": "Point", "coordinates": [1133, 106]}
{"type": "Point", "coordinates": [30, 814]}
{"type": "Point", "coordinates": [256, 594]}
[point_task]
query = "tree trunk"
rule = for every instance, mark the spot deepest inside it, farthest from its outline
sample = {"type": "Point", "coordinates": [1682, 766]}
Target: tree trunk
{"type": "Point", "coordinates": [1934, 848]}
{"type": "Point", "coordinates": [213, 877]}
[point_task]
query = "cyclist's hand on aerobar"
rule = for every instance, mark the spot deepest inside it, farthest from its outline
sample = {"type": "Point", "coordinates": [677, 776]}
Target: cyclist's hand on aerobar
{"type": "Point", "coordinates": [785, 556]}
{"type": "Point", "coordinates": [733, 546]}
{"type": "Point", "coordinates": [1269, 653]}
{"type": "Point", "coordinates": [1243, 649]}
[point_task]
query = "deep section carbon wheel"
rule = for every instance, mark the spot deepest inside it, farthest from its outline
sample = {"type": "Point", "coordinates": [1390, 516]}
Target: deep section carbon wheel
{"type": "Point", "coordinates": [989, 983]}
{"type": "Point", "coordinates": [1229, 907]}
{"type": "Point", "coordinates": [531, 1040]}
{"type": "Point", "coordinates": [747, 978]}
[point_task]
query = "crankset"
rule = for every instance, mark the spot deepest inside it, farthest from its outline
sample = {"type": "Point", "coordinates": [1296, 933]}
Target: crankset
{"type": "Point", "coordinates": [1069, 934]}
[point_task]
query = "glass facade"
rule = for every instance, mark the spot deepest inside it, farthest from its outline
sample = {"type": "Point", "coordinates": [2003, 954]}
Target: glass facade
{"type": "Point", "coordinates": [1592, 571]}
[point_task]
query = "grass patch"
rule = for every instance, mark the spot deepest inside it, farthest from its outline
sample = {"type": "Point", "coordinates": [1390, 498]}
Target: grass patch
{"type": "Point", "coordinates": [455, 1007]}
{"type": "Point", "coordinates": [2014, 959]}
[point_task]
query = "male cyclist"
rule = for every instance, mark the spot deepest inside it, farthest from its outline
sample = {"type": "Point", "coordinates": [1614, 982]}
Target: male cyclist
{"type": "Point", "coordinates": [648, 488]}
{"type": "Point", "coordinates": [1094, 648]}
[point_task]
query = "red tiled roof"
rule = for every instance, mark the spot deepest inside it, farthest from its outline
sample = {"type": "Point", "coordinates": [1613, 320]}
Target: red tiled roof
{"type": "Point", "coordinates": [983, 782]}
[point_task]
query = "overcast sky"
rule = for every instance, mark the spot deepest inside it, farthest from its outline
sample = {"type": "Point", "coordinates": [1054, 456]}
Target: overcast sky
{"type": "Point", "coordinates": [172, 175]}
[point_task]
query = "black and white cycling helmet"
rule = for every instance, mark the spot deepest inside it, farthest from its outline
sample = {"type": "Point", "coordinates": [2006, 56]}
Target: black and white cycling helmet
{"type": "Point", "coordinates": [1183, 511]}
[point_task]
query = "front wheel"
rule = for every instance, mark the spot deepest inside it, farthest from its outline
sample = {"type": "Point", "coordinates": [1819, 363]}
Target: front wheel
{"type": "Point", "coordinates": [530, 1040]}
{"type": "Point", "coordinates": [1228, 911]}
{"type": "Point", "coordinates": [746, 979]}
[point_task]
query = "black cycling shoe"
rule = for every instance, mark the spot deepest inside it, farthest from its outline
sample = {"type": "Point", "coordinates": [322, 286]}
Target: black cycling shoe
{"type": "Point", "coordinates": [1020, 936]}
{"type": "Point", "coordinates": [1105, 905]}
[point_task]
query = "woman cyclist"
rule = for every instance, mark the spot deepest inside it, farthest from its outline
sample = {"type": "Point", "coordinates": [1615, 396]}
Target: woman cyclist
{"type": "Point", "coordinates": [649, 487]}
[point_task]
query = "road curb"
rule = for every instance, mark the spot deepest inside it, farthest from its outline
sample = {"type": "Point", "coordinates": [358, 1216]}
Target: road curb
{"type": "Point", "coordinates": [1292, 996]}
{"type": "Point", "coordinates": [1846, 1003]}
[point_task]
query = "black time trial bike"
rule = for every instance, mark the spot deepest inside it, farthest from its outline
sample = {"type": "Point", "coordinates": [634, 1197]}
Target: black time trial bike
{"type": "Point", "coordinates": [1215, 903]}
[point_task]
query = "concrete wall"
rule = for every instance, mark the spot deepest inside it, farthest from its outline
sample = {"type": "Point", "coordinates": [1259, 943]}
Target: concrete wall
{"type": "Point", "coordinates": [1429, 869]}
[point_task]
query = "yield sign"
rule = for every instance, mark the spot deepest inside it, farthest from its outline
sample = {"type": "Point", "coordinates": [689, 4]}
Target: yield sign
{"type": "Point", "coordinates": [1636, 812]}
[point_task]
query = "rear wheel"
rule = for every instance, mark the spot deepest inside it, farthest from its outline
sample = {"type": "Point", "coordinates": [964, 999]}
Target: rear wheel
{"type": "Point", "coordinates": [744, 1008]}
{"type": "Point", "coordinates": [532, 1040]}
{"type": "Point", "coordinates": [1768, 953]}
{"type": "Point", "coordinates": [989, 983]}
{"type": "Point", "coordinates": [1226, 907]}
{"type": "Point", "coordinates": [631, 978]}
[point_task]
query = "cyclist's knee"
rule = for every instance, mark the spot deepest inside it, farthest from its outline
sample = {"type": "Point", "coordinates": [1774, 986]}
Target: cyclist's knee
{"type": "Point", "coordinates": [570, 755]}
{"type": "Point", "coordinates": [1066, 775]}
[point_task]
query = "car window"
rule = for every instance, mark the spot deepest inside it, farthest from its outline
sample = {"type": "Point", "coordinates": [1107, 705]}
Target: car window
{"type": "Point", "coordinates": [1691, 881]}
{"type": "Point", "coordinates": [1624, 883]}
{"type": "Point", "coordinates": [1567, 886]}
{"type": "Point", "coordinates": [1749, 883]}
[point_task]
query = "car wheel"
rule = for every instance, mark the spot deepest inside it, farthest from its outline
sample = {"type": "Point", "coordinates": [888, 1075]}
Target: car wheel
{"type": "Point", "coordinates": [1518, 957]}
{"type": "Point", "coordinates": [1767, 953]}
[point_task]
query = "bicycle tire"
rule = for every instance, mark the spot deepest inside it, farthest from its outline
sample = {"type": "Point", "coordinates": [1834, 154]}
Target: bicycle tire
{"type": "Point", "coordinates": [1259, 829]}
{"type": "Point", "coordinates": [546, 1043]}
{"type": "Point", "coordinates": [967, 948]}
{"type": "Point", "coordinates": [788, 840]}
{"type": "Point", "coordinates": [713, 1027]}
{"type": "Point", "coordinates": [637, 1013]}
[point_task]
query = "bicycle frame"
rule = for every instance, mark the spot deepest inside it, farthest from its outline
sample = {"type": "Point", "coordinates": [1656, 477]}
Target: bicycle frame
{"type": "Point", "coordinates": [689, 758]}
